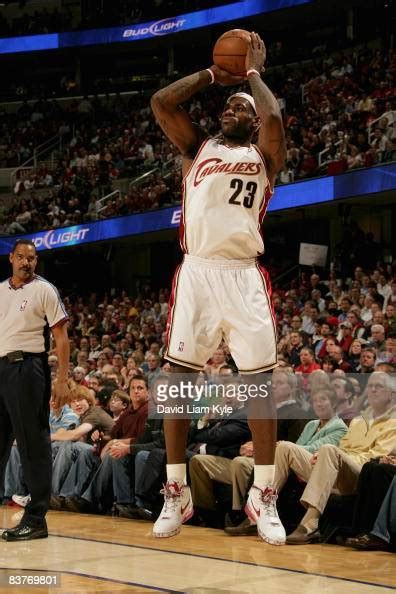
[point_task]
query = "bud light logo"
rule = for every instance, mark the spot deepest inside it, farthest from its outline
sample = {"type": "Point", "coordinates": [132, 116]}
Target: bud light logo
{"type": "Point", "coordinates": [163, 27]}
{"type": "Point", "coordinates": [57, 238]}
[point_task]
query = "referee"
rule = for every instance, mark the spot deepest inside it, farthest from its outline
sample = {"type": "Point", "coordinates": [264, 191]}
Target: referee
{"type": "Point", "coordinates": [30, 307]}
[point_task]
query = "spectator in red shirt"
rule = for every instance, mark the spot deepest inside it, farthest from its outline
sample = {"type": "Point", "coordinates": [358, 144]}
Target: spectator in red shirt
{"type": "Point", "coordinates": [357, 325]}
{"type": "Point", "coordinates": [346, 336]}
{"type": "Point", "coordinates": [307, 362]}
{"type": "Point", "coordinates": [327, 346]}
{"type": "Point", "coordinates": [307, 366]}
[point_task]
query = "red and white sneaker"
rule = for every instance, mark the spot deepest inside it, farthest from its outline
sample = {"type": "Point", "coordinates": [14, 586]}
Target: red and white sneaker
{"type": "Point", "coordinates": [261, 509]}
{"type": "Point", "coordinates": [177, 509]}
{"type": "Point", "coordinates": [21, 500]}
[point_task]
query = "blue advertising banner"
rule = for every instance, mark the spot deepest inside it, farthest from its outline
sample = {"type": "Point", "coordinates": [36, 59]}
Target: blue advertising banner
{"type": "Point", "coordinates": [162, 27]}
{"type": "Point", "coordinates": [305, 193]}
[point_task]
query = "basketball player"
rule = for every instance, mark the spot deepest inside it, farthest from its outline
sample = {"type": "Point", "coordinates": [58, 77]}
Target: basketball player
{"type": "Point", "coordinates": [220, 291]}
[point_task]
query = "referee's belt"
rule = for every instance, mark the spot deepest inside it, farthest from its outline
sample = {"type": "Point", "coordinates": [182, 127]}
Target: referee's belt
{"type": "Point", "coordinates": [16, 356]}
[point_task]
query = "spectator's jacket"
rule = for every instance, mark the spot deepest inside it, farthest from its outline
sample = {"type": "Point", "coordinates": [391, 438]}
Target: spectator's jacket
{"type": "Point", "coordinates": [294, 355]}
{"type": "Point", "coordinates": [99, 419]}
{"type": "Point", "coordinates": [363, 441]}
{"type": "Point", "coordinates": [358, 331]}
{"type": "Point", "coordinates": [311, 439]}
{"type": "Point", "coordinates": [151, 438]}
{"type": "Point", "coordinates": [345, 343]}
{"type": "Point", "coordinates": [224, 437]}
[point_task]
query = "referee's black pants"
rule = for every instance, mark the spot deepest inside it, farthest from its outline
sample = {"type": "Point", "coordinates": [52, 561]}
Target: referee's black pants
{"type": "Point", "coordinates": [25, 391]}
{"type": "Point", "coordinates": [373, 485]}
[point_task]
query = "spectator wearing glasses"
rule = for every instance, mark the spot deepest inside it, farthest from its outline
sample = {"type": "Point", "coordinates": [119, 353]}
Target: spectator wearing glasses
{"type": "Point", "coordinates": [377, 337]}
{"type": "Point", "coordinates": [89, 484]}
{"type": "Point", "coordinates": [370, 436]}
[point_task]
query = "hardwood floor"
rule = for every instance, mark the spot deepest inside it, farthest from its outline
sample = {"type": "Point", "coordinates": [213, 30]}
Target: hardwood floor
{"type": "Point", "coordinates": [114, 555]}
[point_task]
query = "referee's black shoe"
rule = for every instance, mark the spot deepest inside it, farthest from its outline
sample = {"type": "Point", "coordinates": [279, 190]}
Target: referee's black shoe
{"type": "Point", "coordinates": [25, 532]}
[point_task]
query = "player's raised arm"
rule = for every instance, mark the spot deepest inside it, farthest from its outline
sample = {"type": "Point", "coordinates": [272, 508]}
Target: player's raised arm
{"type": "Point", "coordinates": [271, 139]}
{"type": "Point", "coordinates": [173, 119]}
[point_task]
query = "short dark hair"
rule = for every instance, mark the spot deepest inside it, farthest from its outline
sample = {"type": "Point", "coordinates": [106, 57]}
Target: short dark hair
{"type": "Point", "coordinates": [139, 377]}
{"type": "Point", "coordinates": [328, 359]}
{"type": "Point", "coordinates": [23, 242]}
{"type": "Point", "coordinates": [309, 350]}
{"type": "Point", "coordinates": [348, 385]}
{"type": "Point", "coordinates": [371, 350]}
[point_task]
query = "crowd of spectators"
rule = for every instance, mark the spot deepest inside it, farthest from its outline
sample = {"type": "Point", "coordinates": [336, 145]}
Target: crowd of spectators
{"type": "Point", "coordinates": [91, 16]}
{"type": "Point", "coordinates": [336, 345]}
{"type": "Point", "coordinates": [336, 335]}
{"type": "Point", "coordinates": [331, 321]}
{"type": "Point", "coordinates": [342, 95]}
{"type": "Point", "coordinates": [41, 21]}
{"type": "Point", "coordinates": [127, 143]}
{"type": "Point", "coordinates": [327, 107]}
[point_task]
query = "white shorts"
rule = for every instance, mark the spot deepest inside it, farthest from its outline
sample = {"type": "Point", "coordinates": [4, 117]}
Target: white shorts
{"type": "Point", "coordinates": [215, 299]}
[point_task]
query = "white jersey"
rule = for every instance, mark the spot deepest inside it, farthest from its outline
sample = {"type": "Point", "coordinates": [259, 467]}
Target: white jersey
{"type": "Point", "coordinates": [26, 313]}
{"type": "Point", "coordinates": [225, 195]}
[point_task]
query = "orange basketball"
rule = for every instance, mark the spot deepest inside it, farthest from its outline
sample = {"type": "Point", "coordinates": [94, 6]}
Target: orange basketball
{"type": "Point", "coordinates": [230, 49]}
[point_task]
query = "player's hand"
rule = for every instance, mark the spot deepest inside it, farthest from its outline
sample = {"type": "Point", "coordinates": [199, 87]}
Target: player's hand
{"type": "Point", "coordinates": [224, 78]}
{"type": "Point", "coordinates": [313, 459]}
{"type": "Point", "coordinates": [256, 53]}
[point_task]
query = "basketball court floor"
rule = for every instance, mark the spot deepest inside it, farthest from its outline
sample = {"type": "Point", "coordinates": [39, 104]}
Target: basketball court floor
{"type": "Point", "coordinates": [95, 554]}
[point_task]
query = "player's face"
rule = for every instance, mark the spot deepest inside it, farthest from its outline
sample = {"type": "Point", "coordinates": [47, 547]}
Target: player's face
{"type": "Point", "coordinates": [237, 119]}
{"type": "Point", "coordinates": [23, 260]}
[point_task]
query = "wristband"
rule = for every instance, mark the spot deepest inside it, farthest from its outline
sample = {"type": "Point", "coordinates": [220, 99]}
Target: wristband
{"type": "Point", "coordinates": [212, 78]}
{"type": "Point", "coordinates": [253, 71]}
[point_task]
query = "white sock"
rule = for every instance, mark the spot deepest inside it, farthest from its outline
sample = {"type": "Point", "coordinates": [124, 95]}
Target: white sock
{"type": "Point", "coordinates": [264, 475]}
{"type": "Point", "coordinates": [176, 472]}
